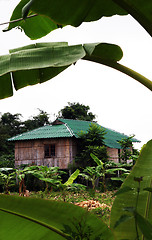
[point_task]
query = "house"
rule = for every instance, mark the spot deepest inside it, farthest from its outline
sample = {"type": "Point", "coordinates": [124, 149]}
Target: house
{"type": "Point", "coordinates": [56, 144]}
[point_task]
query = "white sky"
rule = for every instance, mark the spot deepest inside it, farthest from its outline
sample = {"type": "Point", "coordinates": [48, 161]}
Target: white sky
{"type": "Point", "coordinates": [120, 102]}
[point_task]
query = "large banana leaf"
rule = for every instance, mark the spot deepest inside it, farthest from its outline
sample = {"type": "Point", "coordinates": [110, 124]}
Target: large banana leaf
{"type": "Point", "coordinates": [26, 218]}
{"type": "Point", "coordinates": [40, 62]}
{"type": "Point", "coordinates": [143, 168]}
{"type": "Point", "coordinates": [34, 64]}
{"type": "Point", "coordinates": [67, 12]}
{"type": "Point", "coordinates": [60, 13]}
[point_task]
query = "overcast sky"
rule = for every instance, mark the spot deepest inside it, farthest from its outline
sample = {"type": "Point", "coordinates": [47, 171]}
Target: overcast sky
{"type": "Point", "coordinates": [120, 102]}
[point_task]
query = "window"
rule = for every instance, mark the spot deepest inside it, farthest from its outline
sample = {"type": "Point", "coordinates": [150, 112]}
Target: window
{"type": "Point", "coordinates": [49, 150]}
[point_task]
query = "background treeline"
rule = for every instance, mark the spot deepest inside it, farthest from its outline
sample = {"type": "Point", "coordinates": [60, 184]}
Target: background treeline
{"type": "Point", "coordinates": [12, 125]}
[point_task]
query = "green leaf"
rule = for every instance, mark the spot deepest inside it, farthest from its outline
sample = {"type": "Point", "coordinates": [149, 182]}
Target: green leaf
{"type": "Point", "coordinates": [37, 63]}
{"type": "Point", "coordinates": [79, 11]}
{"type": "Point", "coordinates": [144, 226]}
{"type": "Point", "coordinates": [40, 25]}
{"type": "Point", "coordinates": [116, 169]}
{"type": "Point", "coordinates": [143, 167]}
{"type": "Point", "coordinates": [129, 209]}
{"type": "Point", "coordinates": [122, 219]}
{"type": "Point", "coordinates": [49, 180]}
{"type": "Point", "coordinates": [5, 169]}
{"type": "Point", "coordinates": [40, 62]}
{"type": "Point", "coordinates": [149, 189]}
{"type": "Point", "coordinates": [123, 190]}
{"type": "Point", "coordinates": [59, 13]}
{"type": "Point", "coordinates": [112, 62]}
{"type": "Point", "coordinates": [97, 160]}
{"type": "Point", "coordinates": [103, 52]}
{"type": "Point", "coordinates": [72, 178]}
{"type": "Point", "coordinates": [26, 218]}
{"type": "Point", "coordinates": [26, 9]}
{"type": "Point", "coordinates": [117, 179]}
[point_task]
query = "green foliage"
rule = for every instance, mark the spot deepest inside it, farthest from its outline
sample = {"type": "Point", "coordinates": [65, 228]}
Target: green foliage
{"type": "Point", "coordinates": [76, 111]}
{"type": "Point", "coordinates": [7, 160]}
{"type": "Point", "coordinates": [76, 13]}
{"type": "Point", "coordinates": [7, 179]}
{"type": "Point", "coordinates": [12, 125]}
{"type": "Point", "coordinates": [91, 141]}
{"type": "Point", "coordinates": [76, 187]}
{"type": "Point", "coordinates": [69, 183]}
{"type": "Point", "coordinates": [92, 174]}
{"type": "Point", "coordinates": [27, 218]}
{"type": "Point", "coordinates": [50, 175]}
{"type": "Point", "coordinates": [37, 121]}
{"type": "Point", "coordinates": [72, 178]}
{"type": "Point", "coordinates": [133, 202]}
{"type": "Point", "coordinates": [37, 66]}
{"type": "Point", "coordinates": [127, 150]}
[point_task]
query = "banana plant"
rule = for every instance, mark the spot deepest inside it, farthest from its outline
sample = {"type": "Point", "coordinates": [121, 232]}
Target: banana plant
{"type": "Point", "coordinates": [7, 179]}
{"type": "Point", "coordinates": [20, 176]}
{"type": "Point", "coordinates": [94, 173]}
{"type": "Point", "coordinates": [50, 175]}
{"type": "Point", "coordinates": [66, 186]}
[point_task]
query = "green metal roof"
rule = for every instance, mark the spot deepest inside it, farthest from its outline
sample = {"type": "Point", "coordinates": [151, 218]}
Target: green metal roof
{"type": "Point", "coordinates": [70, 128]}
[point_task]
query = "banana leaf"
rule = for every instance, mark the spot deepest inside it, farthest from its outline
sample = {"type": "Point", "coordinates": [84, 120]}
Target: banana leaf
{"type": "Point", "coordinates": [40, 62]}
{"type": "Point", "coordinates": [72, 178]}
{"type": "Point", "coordinates": [53, 14]}
{"type": "Point", "coordinates": [27, 218]}
{"type": "Point", "coordinates": [97, 160]}
{"type": "Point", "coordinates": [128, 199]}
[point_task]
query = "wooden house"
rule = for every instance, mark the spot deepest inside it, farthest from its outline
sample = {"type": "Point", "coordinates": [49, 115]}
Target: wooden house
{"type": "Point", "coordinates": [56, 144]}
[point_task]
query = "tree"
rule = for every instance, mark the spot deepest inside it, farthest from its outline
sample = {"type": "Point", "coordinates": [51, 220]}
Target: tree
{"type": "Point", "coordinates": [76, 111]}
{"type": "Point", "coordinates": [127, 149]}
{"type": "Point", "coordinates": [91, 141]}
{"type": "Point", "coordinates": [10, 125]}
{"type": "Point", "coordinates": [37, 121]}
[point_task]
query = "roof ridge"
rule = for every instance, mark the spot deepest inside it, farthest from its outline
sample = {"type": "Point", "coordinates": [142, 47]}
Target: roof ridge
{"type": "Point", "coordinates": [69, 129]}
{"type": "Point", "coordinates": [76, 120]}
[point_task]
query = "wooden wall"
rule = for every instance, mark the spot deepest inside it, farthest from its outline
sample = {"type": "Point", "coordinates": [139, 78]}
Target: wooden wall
{"type": "Point", "coordinates": [113, 154]}
{"type": "Point", "coordinates": [32, 152]}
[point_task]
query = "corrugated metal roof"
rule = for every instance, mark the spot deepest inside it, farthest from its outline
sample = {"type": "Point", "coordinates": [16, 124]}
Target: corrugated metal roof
{"type": "Point", "coordinates": [70, 128]}
{"type": "Point", "coordinates": [48, 131]}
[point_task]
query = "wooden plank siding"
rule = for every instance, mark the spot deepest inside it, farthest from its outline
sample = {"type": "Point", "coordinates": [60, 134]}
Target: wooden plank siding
{"type": "Point", "coordinates": [113, 154]}
{"type": "Point", "coordinates": [32, 152]}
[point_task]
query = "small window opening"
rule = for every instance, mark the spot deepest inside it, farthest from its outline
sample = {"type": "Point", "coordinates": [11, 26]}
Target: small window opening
{"type": "Point", "coordinates": [49, 150]}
